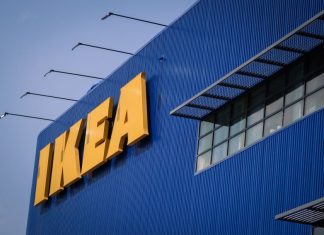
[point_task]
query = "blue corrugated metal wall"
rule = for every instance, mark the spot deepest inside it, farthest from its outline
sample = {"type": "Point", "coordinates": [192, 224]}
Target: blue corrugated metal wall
{"type": "Point", "coordinates": [151, 187]}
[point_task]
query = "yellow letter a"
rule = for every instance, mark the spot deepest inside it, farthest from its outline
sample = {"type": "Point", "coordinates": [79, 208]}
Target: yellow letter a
{"type": "Point", "coordinates": [131, 116]}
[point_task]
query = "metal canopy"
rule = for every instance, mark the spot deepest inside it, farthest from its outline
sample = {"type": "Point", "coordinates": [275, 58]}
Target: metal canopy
{"type": "Point", "coordinates": [311, 213]}
{"type": "Point", "coordinates": [274, 58]}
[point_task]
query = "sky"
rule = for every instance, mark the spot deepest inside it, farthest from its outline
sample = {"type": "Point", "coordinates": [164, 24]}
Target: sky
{"type": "Point", "coordinates": [38, 35]}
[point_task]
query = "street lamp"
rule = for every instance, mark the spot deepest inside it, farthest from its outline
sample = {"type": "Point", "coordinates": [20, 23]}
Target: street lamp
{"type": "Point", "coordinates": [74, 74]}
{"type": "Point", "coordinates": [47, 96]}
{"type": "Point", "coordinates": [25, 116]}
{"type": "Point", "coordinates": [102, 48]}
{"type": "Point", "coordinates": [132, 18]}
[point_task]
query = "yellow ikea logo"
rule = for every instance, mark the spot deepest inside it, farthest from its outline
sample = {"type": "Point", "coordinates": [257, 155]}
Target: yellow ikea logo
{"type": "Point", "coordinates": [59, 165]}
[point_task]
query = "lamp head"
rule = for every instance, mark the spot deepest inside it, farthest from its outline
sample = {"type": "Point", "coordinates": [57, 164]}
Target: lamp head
{"type": "Point", "coordinates": [3, 115]}
{"type": "Point", "coordinates": [52, 70]}
{"type": "Point", "coordinates": [26, 93]}
{"type": "Point", "coordinates": [106, 16]}
{"type": "Point", "coordinates": [78, 44]}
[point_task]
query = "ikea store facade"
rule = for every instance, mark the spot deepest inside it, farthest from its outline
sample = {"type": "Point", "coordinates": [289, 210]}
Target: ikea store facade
{"type": "Point", "coordinates": [216, 126]}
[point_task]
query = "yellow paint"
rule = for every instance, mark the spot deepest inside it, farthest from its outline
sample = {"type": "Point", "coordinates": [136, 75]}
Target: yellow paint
{"type": "Point", "coordinates": [43, 175]}
{"type": "Point", "coordinates": [131, 116]}
{"type": "Point", "coordinates": [130, 123]}
{"type": "Point", "coordinates": [96, 141]}
{"type": "Point", "coordinates": [66, 162]}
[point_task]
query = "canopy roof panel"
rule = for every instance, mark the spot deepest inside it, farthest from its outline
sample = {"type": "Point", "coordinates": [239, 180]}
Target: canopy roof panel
{"type": "Point", "coordinates": [262, 66]}
{"type": "Point", "coordinates": [311, 213]}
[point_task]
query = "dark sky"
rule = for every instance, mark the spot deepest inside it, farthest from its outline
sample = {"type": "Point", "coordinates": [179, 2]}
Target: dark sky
{"type": "Point", "coordinates": [37, 35]}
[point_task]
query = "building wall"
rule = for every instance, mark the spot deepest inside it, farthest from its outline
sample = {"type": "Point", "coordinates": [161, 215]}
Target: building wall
{"type": "Point", "coordinates": [151, 188]}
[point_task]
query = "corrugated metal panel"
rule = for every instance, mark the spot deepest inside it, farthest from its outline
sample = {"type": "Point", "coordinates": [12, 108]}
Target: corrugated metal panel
{"type": "Point", "coordinates": [151, 188]}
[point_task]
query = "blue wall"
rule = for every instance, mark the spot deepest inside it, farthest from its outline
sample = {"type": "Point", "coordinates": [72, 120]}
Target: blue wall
{"type": "Point", "coordinates": [151, 188]}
